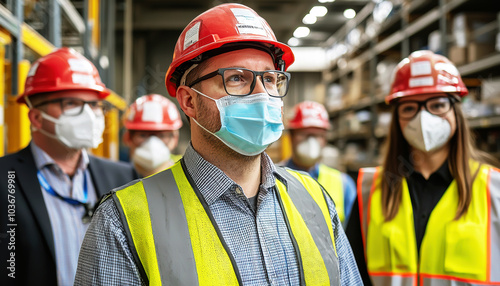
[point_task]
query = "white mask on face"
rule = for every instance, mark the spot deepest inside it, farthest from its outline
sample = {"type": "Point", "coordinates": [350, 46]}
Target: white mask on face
{"type": "Point", "coordinates": [151, 154]}
{"type": "Point", "coordinates": [77, 131]}
{"type": "Point", "coordinates": [309, 151]}
{"type": "Point", "coordinates": [427, 132]}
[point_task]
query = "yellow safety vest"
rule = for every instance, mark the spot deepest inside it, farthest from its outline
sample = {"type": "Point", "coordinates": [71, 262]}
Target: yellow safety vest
{"type": "Point", "coordinates": [175, 157]}
{"type": "Point", "coordinates": [331, 180]}
{"type": "Point", "coordinates": [175, 241]}
{"type": "Point", "coordinates": [453, 252]}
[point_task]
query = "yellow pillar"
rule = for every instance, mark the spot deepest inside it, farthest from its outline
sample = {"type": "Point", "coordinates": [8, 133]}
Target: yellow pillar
{"type": "Point", "coordinates": [111, 134]}
{"type": "Point", "coordinates": [109, 146]}
{"type": "Point", "coordinates": [94, 9]}
{"type": "Point", "coordinates": [286, 146]}
{"type": "Point", "coordinates": [2, 99]}
{"type": "Point", "coordinates": [16, 115]}
{"type": "Point", "coordinates": [99, 150]}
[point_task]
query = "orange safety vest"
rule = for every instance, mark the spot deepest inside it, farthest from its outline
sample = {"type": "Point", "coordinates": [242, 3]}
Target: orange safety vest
{"type": "Point", "coordinates": [453, 252]}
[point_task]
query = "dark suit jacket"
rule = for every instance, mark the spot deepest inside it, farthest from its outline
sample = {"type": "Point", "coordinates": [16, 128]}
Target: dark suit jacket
{"type": "Point", "coordinates": [34, 244]}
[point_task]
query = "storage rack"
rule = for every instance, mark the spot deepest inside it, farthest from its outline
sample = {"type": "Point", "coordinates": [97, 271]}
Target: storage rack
{"type": "Point", "coordinates": [30, 29]}
{"type": "Point", "coordinates": [411, 25]}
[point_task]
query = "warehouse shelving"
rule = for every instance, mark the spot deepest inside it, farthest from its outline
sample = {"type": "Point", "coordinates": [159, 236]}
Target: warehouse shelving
{"type": "Point", "coordinates": [408, 27]}
{"type": "Point", "coordinates": [31, 29]}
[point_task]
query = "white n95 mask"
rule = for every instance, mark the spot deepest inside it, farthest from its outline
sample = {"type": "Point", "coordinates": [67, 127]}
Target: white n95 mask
{"type": "Point", "coordinates": [77, 131]}
{"type": "Point", "coordinates": [151, 154]}
{"type": "Point", "coordinates": [427, 132]}
{"type": "Point", "coordinates": [309, 151]}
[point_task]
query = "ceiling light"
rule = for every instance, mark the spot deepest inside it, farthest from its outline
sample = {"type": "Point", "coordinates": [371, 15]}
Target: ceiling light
{"type": "Point", "coordinates": [309, 19]}
{"type": "Point", "coordinates": [325, 1]}
{"type": "Point", "coordinates": [318, 11]}
{"type": "Point", "coordinates": [301, 32]}
{"type": "Point", "coordinates": [293, 42]}
{"type": "Point", "coordinates": [349, 13]}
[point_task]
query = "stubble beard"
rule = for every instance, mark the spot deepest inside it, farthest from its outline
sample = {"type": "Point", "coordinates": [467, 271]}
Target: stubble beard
{"type": "Point", "coordinates": [210, 119]}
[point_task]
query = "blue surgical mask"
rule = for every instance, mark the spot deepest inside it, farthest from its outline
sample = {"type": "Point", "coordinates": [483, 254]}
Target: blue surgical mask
{"type": "Point", "coordinates": [248, 124]}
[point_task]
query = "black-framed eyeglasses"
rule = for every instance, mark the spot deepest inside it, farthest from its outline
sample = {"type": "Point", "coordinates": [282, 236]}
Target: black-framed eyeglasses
{"type": "Point", "coordinates": [241, 81]}
{"type": "Point", "coordinates": [436, 105]}
{"type": "Point", "coordinates": [74, 106]}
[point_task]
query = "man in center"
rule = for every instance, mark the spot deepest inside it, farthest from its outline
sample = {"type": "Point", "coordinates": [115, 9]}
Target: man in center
{"type": "Point", "coordinates": [224, 214]}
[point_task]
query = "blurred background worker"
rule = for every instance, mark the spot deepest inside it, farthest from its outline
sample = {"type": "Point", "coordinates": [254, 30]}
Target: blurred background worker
{"type": "Point", "coordinates": [308, 129]}
{"type": "Point", "coordinates": [57, 183]}
{"type": "Point", "coordinates": [431, 212]}
{"type": "Point", "coordinates": [152, 124]}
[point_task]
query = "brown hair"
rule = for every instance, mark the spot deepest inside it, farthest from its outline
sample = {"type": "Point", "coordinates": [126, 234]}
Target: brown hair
{"type": "Point", "coordinates": [398, 164]}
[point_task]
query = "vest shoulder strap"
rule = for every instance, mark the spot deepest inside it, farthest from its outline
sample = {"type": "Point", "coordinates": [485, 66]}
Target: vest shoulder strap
{"type": "Point", "coordinates": [366, 183]}
{"type": "Point", "coordinates": [304, 201]}
{"type": "Point", "coordinates": [331, 180]}
{"type": "Point", "coordinates": [131, 202]}
{"type": "Point", "coordinates": [494, 188]}
{"type": "Point", "coordinates": [173, 235]}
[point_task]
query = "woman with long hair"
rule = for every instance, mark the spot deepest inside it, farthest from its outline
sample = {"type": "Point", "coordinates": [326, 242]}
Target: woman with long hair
{"type": "Point", "coordinates": [430, 215]}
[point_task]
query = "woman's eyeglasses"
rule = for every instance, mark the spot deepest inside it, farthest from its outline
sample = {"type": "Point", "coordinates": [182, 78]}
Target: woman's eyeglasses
{"type": "Point", "coordinates": [436, 105]}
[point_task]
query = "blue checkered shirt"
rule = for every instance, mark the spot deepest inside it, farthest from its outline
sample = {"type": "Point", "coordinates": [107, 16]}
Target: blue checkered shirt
{"type": "Point", "coordinates": [259, 240]}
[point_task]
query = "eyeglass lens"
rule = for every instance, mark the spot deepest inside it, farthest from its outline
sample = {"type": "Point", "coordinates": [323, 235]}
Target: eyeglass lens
{"type": "Point", "coordinates": [73, 106]}
{"type": "Point", "coordinates": [436, 106]}
{"type": "Point", "coordinates": [241, 82]}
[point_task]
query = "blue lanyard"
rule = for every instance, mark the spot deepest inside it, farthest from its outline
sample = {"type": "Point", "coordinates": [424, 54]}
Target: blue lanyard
{"type": "Point", "coordinates": [51, 191]}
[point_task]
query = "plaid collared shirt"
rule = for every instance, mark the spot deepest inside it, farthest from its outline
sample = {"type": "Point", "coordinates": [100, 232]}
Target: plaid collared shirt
{"type": "Point", "coordinates": [259, 240]}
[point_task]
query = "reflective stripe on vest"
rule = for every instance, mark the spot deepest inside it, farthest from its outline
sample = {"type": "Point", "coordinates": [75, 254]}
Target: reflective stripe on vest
{"type": "Point", "coordinates": [388, 280]}
{"type": "Point", "coordinates": [366, 178]}
{"type": "Point", "coordinates": [313, 233]}
{"type": "Point", "coordinates": [168, 254]}
{"type": "Point", "coordinates": [331, 180]}
{"type": "Point", "coordinates": [175, 157]}
{"type": "Point", "coordinates": [453, 252]}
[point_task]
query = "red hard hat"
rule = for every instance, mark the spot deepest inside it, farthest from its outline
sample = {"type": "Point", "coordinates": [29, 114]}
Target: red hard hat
{"type": "Point", "coordinates": [152, 112]}
{"type": "Point", "coordinates": [309, 114]}
{"type": "Point", "coordinates": [63, 69]}
{"type": "Point", "coordinates": [424, 72]}
{"type": "Point", "coordinates": [225, 24]}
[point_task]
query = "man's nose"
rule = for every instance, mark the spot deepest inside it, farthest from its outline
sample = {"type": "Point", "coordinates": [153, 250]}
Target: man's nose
{"type": "Point", "coordinates": [259, 86]}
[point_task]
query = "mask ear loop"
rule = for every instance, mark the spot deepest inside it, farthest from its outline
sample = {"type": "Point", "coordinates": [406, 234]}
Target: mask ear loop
{"type": "Point", "coordinates": [454, 98]}
{"type": "Point", "coordinates": [49, 118]}
{"type": "Point", "coordinates": [34, 129]}
{"type": "Point", "coordinates": [28, 103]}
{"type": "Point", "coordinates": [30, 106]}
{"type": "Point", "coordinates": [184, 76]}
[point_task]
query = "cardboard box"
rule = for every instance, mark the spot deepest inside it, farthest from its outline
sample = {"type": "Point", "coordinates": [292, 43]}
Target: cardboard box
{"type": "Point", "coordinates": [477, 51]}
{"type": "Point", "coordinates": [490, 91]}
{"type": "Point", "coordinates": [458, 55]}
{"type": "Point", "coordinates": [434, 41]}
{"type": "Point", "coordinates": [385, 71]}
{"type": "Point", "coordinates": [334, 97]}
{"type": "Point", "coordinates": [464, 25]}
{"type": "Point", "coordinates": [359, 85]}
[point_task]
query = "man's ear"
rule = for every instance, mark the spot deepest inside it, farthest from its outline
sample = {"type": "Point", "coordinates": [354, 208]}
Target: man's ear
{"type": "Point", "coordinates": [35, 117]}
{"type": "Point", "coordinates": [186, 100]}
